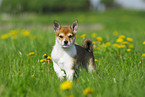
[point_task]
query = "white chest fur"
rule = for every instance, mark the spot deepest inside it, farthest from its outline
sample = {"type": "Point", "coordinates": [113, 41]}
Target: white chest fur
{"type": "Point", "coordinates": [63, 57]}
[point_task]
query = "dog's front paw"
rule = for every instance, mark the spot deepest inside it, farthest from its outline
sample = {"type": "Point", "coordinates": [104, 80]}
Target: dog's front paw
{"type": "Point", "coordinates": [61, 75]}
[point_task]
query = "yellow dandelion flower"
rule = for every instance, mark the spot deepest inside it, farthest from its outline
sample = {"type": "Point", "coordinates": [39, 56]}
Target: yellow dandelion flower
{"type": "Point", "coordinates": [143, 55]}
{"type": "Point", "coordinates": [130, 46]}
{"type": "Point", "coordinates": [32, 75]}
{"type": "Point", "coordinates": [143, 43]}
{"type": "Point", "coordinates": [88, 91]}
{"type": "Point", "coordinates": [124, 43]}
{"type": "Point", "coordinates": [94, 42]}
{"type": "Point", "coordinates": [25, 33]}
{"type": "Point", "coordinates": [108, 43]}
{"type": "Point", "coordinates": [94, 35]}
{"type": "Point", "coordinates": [128, 50]}
{"type": "Point", "coordinates": [49, 58]}
{"type": "Point", "coordinates": [31, 53]}
{"type": "Point", "coordinates": [119, 40]}
{"type": "Point", "coordinates": [13, 32]}
{"type": "Point", "coordinates": [43, 60]}
{"type": "Point", "coordinates": [96, 60]}
{"type": "Point", "coordinates": [66, 85]}
{"type": "Point", "coordinates": [5, 36]}
{"type": "Point", "coordinates": [129, 39]}
{"type": "Point", "coordinates": [83, 36]}
{"type": "Point", "coordinates": [97, 48]}
{"type": "Point", "coordinates": [70, 96]}
{"type": "Point", "coordinates": [115, 33]}
{"type": "Point", "coordinates": [121, 46]}
{"type": "Point", "coordinates": [116, 45]}
{"type": "Point", "coordinates": [122, 36]}
{"type": "Point", "coordinates": [44, 55]}
{"type": "Point", "coordinates": [99, 39]}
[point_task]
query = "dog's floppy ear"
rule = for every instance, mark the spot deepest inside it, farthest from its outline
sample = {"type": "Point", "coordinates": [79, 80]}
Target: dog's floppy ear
{"type": "Point", "coordinates": [56, 26]}
{"type": "Point", "coordinates": [74, 26]}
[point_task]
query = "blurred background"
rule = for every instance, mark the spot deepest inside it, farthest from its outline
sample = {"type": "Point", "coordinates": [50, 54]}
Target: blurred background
{"type": "Point", "coordinates": [46, 6]}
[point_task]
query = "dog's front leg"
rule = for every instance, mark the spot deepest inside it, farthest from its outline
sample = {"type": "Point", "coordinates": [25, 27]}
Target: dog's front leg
{"type": "Point", "coordinates": [70, 74]}
{"type": "Point", "coordinates": [58, 71]}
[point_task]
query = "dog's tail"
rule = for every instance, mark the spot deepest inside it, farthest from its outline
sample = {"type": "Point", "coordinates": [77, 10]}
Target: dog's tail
{"type": "Point", "coordinates": [88, 45]}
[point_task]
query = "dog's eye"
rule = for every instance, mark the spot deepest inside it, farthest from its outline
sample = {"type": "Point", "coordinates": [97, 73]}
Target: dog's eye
{"type": "Point", "coordinates": [61, 36]}
{"type": "Point", "coordinates": [70, 36]}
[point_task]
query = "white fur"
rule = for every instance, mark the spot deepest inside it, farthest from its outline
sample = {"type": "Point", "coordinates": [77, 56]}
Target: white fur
{"type": "Point", "coordinates": [63, 58]}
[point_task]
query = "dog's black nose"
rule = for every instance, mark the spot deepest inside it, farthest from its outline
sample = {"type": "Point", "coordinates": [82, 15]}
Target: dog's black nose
{"type": "Point", "coordinates": [65, 42]}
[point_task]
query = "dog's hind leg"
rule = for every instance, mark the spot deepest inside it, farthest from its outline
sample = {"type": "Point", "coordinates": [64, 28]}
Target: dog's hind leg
{"type": "Point", "coordinates": [91, 67]}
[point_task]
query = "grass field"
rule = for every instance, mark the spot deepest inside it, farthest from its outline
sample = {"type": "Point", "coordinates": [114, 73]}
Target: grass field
{"type": "Point", "coordinates": [119, 49]}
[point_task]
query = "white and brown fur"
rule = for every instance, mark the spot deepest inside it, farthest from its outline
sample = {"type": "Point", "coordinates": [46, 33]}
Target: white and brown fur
{"type": "Point", "coordinates": [66, 55]}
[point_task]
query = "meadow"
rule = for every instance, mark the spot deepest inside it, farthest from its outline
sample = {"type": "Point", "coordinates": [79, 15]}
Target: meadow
{"type": "Point", "coordinates": [119, 48]}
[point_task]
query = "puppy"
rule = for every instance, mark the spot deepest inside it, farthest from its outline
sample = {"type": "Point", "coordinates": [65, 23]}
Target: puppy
{"type": "Point", "coordinates": [66, 55]}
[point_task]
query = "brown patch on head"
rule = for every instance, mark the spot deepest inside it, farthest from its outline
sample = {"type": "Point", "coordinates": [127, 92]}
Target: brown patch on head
{"type": "Point", "coordinates": [66, 33]}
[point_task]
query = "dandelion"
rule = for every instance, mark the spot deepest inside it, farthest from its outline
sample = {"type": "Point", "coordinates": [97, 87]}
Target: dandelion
{"type": "Point", "coordinates": [108, 43]}
{"type": "Point", "coordinates": [66, 85]}
{"type": "Point", "coordinates": [14, 37]}
{"type": "Point", "coordinates": [31, 53]}
{"type": "Point", "coordinates": [119, 40]}
{"type": "Point", "coordinates": [70, 96]}
{"type": "Point", "coordinates": [143, 55]}
{"type": "Point", "coordinates": [128, 50]}
{"type": "Point", "coordinates": [143, 43]}
{"type": "Point", "coordinates": [5, 36]}
{"type": "Point", "coordinates": [96, 60]}
{"type": "Point", "coordinates": [122, 36]}
{"type": "Point", "coordinates": [121, 46]}
{"type": "Point", "coordinates": [97, 48]}
{"type": "Point", "coordinates": [32, 75]}
{"type": "Point", "coordinates": [124, 43]}
{"type": "Point", "coordinates": [130, 46]}
{"type": "Point", "coordinates": [99, 39]}
{"type": "Point", "coordinates": [94, 35]}
{"type": "Point", "coordinates": [116, 45]}
{"type": "Point", "coordinates": [49, 58]}
{"type": "Point", "coordinates": [115, 33]}
{"type": "Point", "coordinates": [129, 39]}
{"type": "Point", "coordinates": [94, 42]}
{"type": "Point", "coordinates": [83, 36]}
{"type": "Point", "coordinates": [88, 91]}
{"type": "Point", "coordinates": [43, 60]}
{"type": "Point", "coordinates": [45, 55]}
{"type": "Point", "coordinates": [25, 33]}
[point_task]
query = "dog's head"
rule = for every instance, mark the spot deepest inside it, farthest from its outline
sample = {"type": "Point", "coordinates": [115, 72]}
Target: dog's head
{"type": "Point", "coordinates": [65, 35]}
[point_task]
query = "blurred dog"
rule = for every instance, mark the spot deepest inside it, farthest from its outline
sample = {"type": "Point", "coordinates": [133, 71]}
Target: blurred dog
{"type": "Point", "coordinates": [66, 55]}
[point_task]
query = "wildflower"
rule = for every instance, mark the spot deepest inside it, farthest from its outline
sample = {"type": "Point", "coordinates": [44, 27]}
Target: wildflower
{"type": "Point", "coordinates": [96, 60]}
{"type": "Point", "coordinates": [32, 53]}
{"type": "Point", "coordinates": [108, 43]}
{"type": "Point", "coordinates": [122, 36]}
{"type": "Point", "coordinates": [130, 45]}
{"type": "Point", "coordinates": [94, 35]}
{"type": "Point", "coordinates": [94, 42]}
{"type": "Point", "coordinates": [99, 39]}
{"type": "Point", "coordinates": [115, 33]}
{"type": "Point", "coordinates": [49, 58]}
{"type": "Point", "coordinates": [32, 75]}
{"type": "Point", "coordinates": [70, 96]}
{"type": "Point", "coordinates": [121, 46]}
{"type": "Point", "coordinates": [83, 36]}
{"type": "Point", "coordinates": [14, 37]}
{"type": "Point", "coordinates": [119, 40]}
{"type": "Point", "coordinates": [25, 33]}
{"type": "Point", "coordinates": [88, 91]}
{"type": "Point", "coordinates": [143, 55]}
{"type": "Point", "coordinates": [43, 60]}
{"type": "Point", "coordinates": [116, 45]}
{"type": "Point", "coordinates": [125, 42]}
{"type": "Point", "coordinates": [143, 43]}
{"type": "Point", "coordinates": [129, 39]}
{"type": "Point", "coordinates": [97, 48]}
{"type": "Point", "coordinates": [128, 50]}
{"type": "Point", "coordinates": [45, 55]}
{"type": "Point", "coordinates": [5, 36]}
{"type": "Point", "coordinates": [66, 85]}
